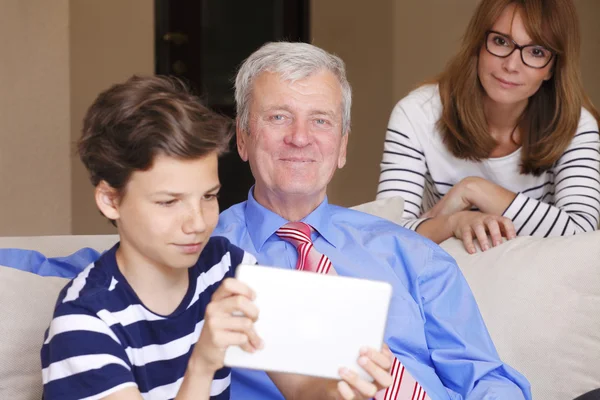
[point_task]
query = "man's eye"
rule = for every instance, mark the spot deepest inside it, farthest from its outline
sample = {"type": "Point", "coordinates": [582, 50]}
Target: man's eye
{"type": "Point", "coordinates": [320, 121]}
{"type": "Point", "coordinates": [277, 117]}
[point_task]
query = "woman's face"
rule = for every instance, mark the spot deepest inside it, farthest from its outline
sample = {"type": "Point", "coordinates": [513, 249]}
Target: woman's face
{"type": "Point", "coordinates": [508, 80]}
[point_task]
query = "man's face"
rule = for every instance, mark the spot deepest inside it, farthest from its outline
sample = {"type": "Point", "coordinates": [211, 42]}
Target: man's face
{"type": "Point", "coordinates": [295, 140]}
{"type": "Point", "coordinates": [168, 212]}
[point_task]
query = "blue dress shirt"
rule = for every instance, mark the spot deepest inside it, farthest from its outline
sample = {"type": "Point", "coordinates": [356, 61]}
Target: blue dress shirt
{"type": "Point", "coordinates": [434, 326]}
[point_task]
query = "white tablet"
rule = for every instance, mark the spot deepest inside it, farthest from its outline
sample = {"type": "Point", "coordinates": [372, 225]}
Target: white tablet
{"type": "Point", "coordinates": [312, 324]}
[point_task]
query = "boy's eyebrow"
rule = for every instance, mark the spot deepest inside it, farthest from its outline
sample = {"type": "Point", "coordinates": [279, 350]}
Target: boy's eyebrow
{"type": "Point", "coordinates": [214, 188]}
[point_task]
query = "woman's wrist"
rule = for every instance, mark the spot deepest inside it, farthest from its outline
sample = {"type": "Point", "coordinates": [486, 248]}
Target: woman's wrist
{"type": "Point", "coordinates": [473, 190]}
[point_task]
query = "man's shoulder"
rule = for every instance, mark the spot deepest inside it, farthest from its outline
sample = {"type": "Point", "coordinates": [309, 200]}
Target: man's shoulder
{"type": "Point", "coordinates": [231, 218]}
{"type": "Point", "coordinates": [371, 225]}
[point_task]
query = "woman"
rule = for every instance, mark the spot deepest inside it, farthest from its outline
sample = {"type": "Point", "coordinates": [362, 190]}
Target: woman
{"type": "Point", "coordinates": [506, 142]}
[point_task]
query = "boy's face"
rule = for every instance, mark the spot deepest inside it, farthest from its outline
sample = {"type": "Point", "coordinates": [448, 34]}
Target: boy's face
{"type": "Point", "coordinates": [167, 213]}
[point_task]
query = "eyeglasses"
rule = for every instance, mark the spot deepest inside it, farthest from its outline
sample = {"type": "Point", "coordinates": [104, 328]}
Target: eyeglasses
{"type": "Point", "coordinates": [502, 46]}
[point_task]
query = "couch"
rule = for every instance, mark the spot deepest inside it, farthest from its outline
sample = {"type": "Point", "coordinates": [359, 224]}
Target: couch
{"type": "Point", "coordinates": [540, 299]}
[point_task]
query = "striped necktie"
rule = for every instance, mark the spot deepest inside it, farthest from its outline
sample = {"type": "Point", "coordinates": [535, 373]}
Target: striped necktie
{"type": "Point", "coordinates": [404, 386]}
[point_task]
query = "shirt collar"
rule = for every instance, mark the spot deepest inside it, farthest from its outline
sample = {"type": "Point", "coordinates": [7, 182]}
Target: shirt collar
{"type": "Point", "coordinates": [262, 223]}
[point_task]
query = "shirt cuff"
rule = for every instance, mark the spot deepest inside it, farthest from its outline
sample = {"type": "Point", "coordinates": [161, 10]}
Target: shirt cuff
{"type": "Point", "coordinates": [513, 209]}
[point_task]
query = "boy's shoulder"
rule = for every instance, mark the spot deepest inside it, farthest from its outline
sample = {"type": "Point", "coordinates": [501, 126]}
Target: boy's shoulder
{"type": "Point", "coordinates": [91, 287]}
{"type": "Point", "coordinates": [220, 248]}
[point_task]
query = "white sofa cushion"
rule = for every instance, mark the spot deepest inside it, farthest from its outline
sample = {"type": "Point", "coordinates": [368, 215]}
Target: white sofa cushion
{"type": "Point", "coordinates": [26, 305]}
{"type": "Point", "coordinates": [540, 299]}
{"type": "Point", "coordinates": [60, 245]}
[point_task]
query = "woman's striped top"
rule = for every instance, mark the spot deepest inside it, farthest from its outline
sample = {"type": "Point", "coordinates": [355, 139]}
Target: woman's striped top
{"type": "Point", "coordinates": [565, 200]}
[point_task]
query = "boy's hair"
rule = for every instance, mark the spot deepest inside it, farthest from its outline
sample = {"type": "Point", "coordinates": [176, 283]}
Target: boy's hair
{"type": "Point", "coordinates": [130, 123]}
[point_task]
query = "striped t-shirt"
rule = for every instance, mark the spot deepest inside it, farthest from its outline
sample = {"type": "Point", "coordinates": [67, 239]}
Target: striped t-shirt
{"type": "Point", "coordinates": [416, 165]}
{"type": "Point", "coordinates": [103, 339]}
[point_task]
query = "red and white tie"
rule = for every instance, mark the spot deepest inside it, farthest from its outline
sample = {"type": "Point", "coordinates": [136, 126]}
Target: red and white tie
{"type": "Point", "coordinates": [404, 386]}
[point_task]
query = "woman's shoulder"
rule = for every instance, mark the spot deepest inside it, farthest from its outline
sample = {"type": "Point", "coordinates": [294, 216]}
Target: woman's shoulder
{"type": "Point", "coordinates": [587, 122]}
{"type": "Point", "coordinates": [423, 102]}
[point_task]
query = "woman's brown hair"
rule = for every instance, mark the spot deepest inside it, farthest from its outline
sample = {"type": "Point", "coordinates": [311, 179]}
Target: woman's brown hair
{"type": "Point", "coordinates": [550, 120]}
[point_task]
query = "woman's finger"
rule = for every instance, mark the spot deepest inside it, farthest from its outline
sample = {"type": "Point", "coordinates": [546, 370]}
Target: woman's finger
{"type": "Point", "coordinates": [509, 228]}
{"type": "Point", "coordinates": [467, 238]}
{"type": "Point", "coordinates": [494, 229]}
{"type": "Point", "coordinates": [481, 235]}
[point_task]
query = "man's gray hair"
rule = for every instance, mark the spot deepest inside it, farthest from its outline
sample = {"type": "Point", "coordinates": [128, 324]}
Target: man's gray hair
{"type": "Point", "coordinates": [292, 61]}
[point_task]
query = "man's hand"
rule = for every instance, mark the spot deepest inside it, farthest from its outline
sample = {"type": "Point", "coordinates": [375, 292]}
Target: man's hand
{"type": "Point", "coordinates": [375, 363]}
{"type": "Point", "coordinates": [469, 224]}
{"type": "Point", "coordinates": [228, 321]}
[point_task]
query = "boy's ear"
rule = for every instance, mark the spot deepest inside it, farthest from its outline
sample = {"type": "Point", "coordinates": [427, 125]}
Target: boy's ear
{"type": "Point", "coordinates": [107, 200]}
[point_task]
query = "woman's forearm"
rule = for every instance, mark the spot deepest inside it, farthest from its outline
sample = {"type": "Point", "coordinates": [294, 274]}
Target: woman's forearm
{"type": "Point", "coordinates": [437, 229]}
{"type": "Point", "coordinates": [487, 196]}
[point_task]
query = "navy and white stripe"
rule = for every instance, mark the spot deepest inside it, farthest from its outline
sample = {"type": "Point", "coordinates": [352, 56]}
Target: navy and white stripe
{"type": "Point", "coordinates": [102, 339]}
{"type": "Point", "coordinates": [417, 166]}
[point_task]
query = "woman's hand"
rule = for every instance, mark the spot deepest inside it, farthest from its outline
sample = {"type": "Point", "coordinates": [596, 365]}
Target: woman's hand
{"type": "Point", "coordinates": [228, 321]}
{"type": "Point", "coordinates": [469, 224]}
{"type": "Point", "coordinates": [375, 363]}
{"type": "Point", "coordinates": [457, 199]}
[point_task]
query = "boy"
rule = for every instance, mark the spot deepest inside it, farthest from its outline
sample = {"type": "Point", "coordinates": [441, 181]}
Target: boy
{"type": "Point", "coordinates": [136, 321]}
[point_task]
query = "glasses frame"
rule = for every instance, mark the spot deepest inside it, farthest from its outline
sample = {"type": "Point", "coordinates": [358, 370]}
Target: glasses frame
{"type": "Point", "coordinates": [517, 46]}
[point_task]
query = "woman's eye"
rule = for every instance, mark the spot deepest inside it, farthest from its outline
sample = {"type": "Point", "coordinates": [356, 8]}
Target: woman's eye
{"type": "Point", "coordinates": [499, 40]}
{"type": "Point", "coordinates": [538, 52]}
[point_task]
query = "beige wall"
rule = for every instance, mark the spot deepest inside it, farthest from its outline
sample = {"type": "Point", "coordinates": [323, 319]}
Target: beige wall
{"type": "Point", "coordinates": [110, 41]}
{"type": "Point", "coordinates": [589, 13]}
{"type": "Point", "coordinates": [363, 37]}
{"type": "Point", "coordinates": [35, 181]}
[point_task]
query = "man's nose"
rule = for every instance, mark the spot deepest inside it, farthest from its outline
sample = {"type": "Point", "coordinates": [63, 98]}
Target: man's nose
{"type": "Point", "coordinates": [299, 134]}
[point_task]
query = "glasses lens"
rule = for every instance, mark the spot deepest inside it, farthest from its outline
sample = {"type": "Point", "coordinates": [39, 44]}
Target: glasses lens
{"type": "Point", "coordinates": [536, 56]}
{"type": "Point", "coordinates": [499, 45]}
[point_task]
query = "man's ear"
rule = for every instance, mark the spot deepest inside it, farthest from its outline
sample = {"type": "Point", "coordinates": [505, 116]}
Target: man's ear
{"type": "Point", "coordinates": [107, 200]}
{"type": "Point", "coordinates": [343, 151]}
{"type": "Point", "coordinates": [241, 137]}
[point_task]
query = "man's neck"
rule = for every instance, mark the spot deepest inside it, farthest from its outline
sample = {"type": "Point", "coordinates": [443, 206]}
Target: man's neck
{"type": "Point", "coordinates": [161, 289]}
{"type": "Point", "coordinates": [291, 207]}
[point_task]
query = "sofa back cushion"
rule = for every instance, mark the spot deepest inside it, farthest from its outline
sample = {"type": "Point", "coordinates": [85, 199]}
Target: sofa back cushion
{"type": "Point", "coordinates": [540, 299]}
{"type": "Point", "coordinates": [26, 305]}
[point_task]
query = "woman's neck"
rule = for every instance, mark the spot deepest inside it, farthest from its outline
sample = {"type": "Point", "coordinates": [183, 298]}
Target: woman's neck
{"type": "Point", "coordinates": [502, 118]}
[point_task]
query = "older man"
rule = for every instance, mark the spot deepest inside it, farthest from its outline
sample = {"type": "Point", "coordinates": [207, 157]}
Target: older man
{"type": "Point", "coordinates": [293, 103]}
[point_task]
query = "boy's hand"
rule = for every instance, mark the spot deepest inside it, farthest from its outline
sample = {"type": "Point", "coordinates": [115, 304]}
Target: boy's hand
{"type": "Point", "coordinates": [223, 329]}
{"type": "Point", "coordinates": [375, 363]}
